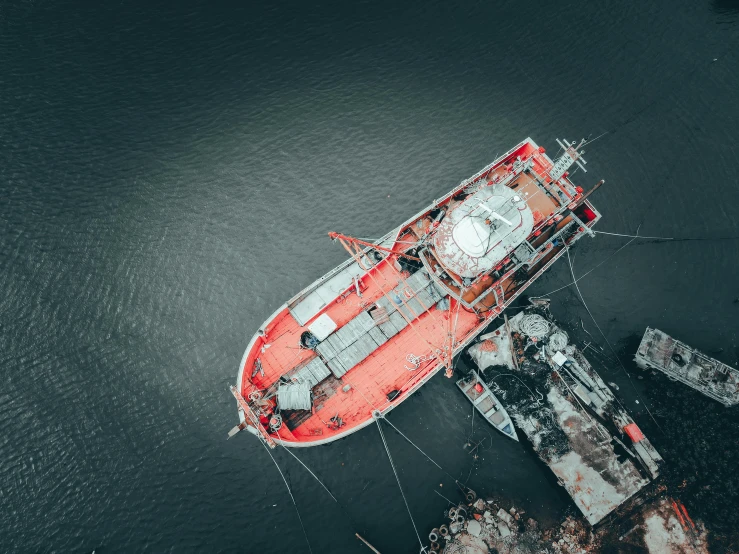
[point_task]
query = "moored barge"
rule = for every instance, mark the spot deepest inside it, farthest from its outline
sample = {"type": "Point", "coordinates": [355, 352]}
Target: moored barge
{"type": "Point", "coordinates": [680, 362]}
{"type": "Point", "coordinates": [573, 421]}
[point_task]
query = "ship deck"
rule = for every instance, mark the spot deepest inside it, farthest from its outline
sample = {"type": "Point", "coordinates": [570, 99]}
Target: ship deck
{"type": "Point", "coordinates": [383, 371]}
{"type": "Point", "coordinates": [536, 196]}
{"type": "Point", "coordinates": [374, 363]}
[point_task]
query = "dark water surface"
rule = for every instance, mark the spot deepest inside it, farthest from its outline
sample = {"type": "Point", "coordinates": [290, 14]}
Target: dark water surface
{"type": "Point", "coordinates": [168, 174]}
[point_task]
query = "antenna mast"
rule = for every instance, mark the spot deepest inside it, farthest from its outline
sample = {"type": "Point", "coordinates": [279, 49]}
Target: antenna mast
{"type": "Point", "coordinates": [571, 156]}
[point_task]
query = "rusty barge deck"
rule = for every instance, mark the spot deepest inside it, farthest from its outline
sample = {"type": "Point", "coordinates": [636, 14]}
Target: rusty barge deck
{"type": "Point", "coordinates": [679, 361]}
{"type": "Point", "coordinates": [572, 419]}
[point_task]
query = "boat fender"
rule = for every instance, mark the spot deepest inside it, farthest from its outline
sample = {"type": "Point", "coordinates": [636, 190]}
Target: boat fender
{"type": "Point", "coordinates": [461, 512]}
{"type": "Point", "coordinates": [443, 530]}
{"type": "Point", "coordinates": [471, 496]}
{"type": "Point", "coordinates": [434, 535]}
{"type": "Point", "coordinates": [452, 513]}
{"type": "Point", "coordinates": [435, 546]}
{"type": "Point", "coordinates": [460, 519]}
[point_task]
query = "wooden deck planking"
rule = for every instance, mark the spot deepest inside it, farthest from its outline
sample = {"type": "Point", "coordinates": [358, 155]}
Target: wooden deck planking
{"type": "Point", "coordinates": [537, 199]}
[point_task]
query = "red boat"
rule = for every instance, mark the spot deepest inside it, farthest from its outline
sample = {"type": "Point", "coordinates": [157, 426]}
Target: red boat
{"type": "Point", "coordinates": [368, 334]}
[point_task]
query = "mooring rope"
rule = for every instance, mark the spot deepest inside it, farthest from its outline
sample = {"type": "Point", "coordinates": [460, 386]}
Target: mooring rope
{"type": "Point", "coordinates": [412, 443]}
{"type": "Point", "coordinates": [461, 486]}
{"type": "Point", "coordinates": [574, 282]}
{"type": "Point", "coordinates": [534, 326]}
{"type": "Point", "coordinates": [445, 498]}
{"type": "Point", "coordinates": [631, 236]}
{"type": "Point", "coordinates": [345, 510]}
{"type": "Point", "coordinates": [307, 469]}
{"type": "Point", "coordinates": [392, 465]}
{"type": "Point", "coordinates": [297, 511]}
{"type": "Point", "coordinates": [574, 279]}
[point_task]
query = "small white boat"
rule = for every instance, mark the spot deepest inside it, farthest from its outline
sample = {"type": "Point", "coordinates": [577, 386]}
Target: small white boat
{"type": "Point", "coordinates": [487, 404]}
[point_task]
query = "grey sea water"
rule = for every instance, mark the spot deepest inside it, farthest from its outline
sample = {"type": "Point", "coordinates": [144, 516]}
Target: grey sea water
{"type": "Point", "coordinates": [168, 173]}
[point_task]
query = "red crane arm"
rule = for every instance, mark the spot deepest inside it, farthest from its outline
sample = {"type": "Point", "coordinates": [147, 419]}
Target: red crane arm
{"type": "Point", "coordinates": [352, 240]}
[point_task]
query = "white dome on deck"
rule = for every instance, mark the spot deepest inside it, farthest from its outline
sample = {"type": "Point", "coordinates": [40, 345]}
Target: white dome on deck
{"type": "Point", "coordinates": [472, 236]}
{"type": "Point", "coordinates": [468, 245]}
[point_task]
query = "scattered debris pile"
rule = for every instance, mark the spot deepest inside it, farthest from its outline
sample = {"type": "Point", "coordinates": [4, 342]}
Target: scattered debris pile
{"type": "Point", "coordinates": [485, 527]}
{"type": "Point", "coordinates": [661, 525]}
{"type": "Point", "coordinates": [590, 442]}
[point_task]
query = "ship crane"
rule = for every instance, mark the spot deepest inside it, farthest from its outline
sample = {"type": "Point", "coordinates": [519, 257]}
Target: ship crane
{"type": "Point", "coordinates": [496, 215]}
{"type": "Point", "coordinates": [344, 239]}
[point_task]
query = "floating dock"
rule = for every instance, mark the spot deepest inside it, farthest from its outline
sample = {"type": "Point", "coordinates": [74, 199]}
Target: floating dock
{"type": "Point", "coordinates": [575, 424]}
{"type": "Point", "coordinates": [679, 361]}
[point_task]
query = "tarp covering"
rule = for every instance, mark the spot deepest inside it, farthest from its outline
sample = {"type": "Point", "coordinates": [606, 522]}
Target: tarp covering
{"type": "Point", "coordinates": [294, 397]}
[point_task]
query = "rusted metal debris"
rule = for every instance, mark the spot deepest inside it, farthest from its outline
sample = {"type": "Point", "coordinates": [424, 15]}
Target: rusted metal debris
{"type": "Point", "coordinates": [679, 361]}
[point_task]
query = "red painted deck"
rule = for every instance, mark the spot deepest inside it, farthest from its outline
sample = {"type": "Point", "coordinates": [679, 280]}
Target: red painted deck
{"type": "Point", "coordinates": [385, 369]}
{"type": "Point", "coordinates": [372, 379]}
